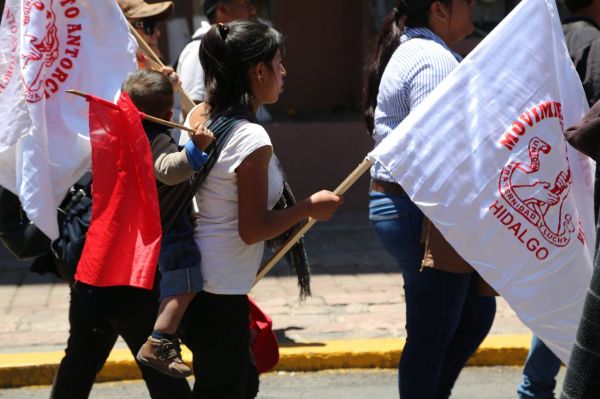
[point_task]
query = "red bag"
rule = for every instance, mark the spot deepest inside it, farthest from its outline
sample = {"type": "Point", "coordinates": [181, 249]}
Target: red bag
{"type": "Point", "coordinates": [263, 341]}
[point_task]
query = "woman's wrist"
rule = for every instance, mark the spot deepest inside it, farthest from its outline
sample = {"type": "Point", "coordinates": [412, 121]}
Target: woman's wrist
{"type": "Point", "coordinates": [304, 209]}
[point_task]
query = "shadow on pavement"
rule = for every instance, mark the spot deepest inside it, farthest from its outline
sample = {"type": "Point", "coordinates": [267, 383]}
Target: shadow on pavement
{"type": "Point", "coordinates": [285, 341]}
{"type": "Point", "coordinates": [345, 245]}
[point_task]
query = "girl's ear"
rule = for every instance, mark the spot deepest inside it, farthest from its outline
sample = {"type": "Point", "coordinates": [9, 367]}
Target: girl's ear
{"type": "Point", "coordinates": [439, 11]}
{"type": "Point", "coordinates": [257, 72]}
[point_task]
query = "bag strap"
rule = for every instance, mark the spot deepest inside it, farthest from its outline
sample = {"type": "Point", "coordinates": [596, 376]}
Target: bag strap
{"type": "Point", "coordinates": [82, 188]}
{"type": "Point", "coordinates": [178, 200]}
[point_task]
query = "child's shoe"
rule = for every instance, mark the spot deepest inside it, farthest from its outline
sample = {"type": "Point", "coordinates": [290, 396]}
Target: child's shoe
{"type": "Point", "coordinates": [165, 356]}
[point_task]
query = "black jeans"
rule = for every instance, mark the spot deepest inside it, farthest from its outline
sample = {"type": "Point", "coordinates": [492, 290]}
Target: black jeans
{"type": "Point", "coordinates": [216, 329]}
{"type": "Point", "coordinates": [126, 311]}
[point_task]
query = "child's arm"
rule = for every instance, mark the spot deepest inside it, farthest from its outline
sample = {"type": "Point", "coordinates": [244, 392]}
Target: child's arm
{"type": "Point", "coordinates": [172, 166]}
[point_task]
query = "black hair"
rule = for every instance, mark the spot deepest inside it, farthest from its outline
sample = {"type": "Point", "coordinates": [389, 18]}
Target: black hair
{"type": "Point", "coordinates": [575, 5]}
{"type": "Point", "coordinates": [150, 91]}
{"type": "Point", "coordinates": [406, 13]}
{"type": "Point", "coordinates": [227, 52]}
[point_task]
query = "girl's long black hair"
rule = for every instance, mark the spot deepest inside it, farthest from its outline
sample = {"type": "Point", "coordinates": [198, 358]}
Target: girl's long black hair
{"type": "Point", "coordinates": [406, 13]}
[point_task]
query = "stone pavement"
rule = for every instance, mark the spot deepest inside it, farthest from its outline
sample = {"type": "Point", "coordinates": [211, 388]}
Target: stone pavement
{"type": "Point", "coordinates": [357, 293]}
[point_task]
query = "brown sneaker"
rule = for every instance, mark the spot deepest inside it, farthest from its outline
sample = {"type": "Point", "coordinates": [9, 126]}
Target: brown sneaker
{"type": "Point", "coordinates": [165, 356]}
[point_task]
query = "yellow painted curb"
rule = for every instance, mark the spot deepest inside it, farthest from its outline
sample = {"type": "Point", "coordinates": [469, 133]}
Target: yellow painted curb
{"type": "Point", "coordinates": [24, 369]}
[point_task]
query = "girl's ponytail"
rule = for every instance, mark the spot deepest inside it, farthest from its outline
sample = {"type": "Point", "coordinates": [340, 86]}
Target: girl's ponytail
{"type": "Point", "coordinates": [387, 42]}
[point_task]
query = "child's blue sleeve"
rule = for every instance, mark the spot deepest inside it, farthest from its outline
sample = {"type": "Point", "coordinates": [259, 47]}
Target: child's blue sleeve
{"type": "Point", "coordinates": [195, 157]}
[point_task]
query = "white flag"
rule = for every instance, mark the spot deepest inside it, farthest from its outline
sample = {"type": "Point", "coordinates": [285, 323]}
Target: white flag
{"type": "Point", "coordinates": [46, 47]}
{"type": "Point", "coordinates": [485, 159]}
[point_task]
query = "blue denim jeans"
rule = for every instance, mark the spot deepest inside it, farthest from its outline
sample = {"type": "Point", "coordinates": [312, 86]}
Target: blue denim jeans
{"type": "Point", "coordinates": [539, 373]}
{"type": "Point", "coordinates": [445, 318]}
{"type": "Point", "coordinates": [179, 260]}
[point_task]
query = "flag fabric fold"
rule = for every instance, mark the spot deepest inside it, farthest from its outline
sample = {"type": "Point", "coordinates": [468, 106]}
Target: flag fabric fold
{"type": "Point", "coordinates": [123, 241]}
{"type": "Point", "coordinates": [46, 47]}
{"type": "Point", "coordinates": [485, 159]}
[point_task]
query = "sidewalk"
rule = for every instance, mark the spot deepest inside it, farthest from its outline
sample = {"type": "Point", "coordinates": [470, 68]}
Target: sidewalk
{"type": "Point", "coordinates": [355, 317]}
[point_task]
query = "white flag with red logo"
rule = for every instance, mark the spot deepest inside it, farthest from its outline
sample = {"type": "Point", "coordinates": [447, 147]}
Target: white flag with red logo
{"type": "Point", "coordinates": [485, 159]}
{"type": "Point", "coordinates": [46, 47]}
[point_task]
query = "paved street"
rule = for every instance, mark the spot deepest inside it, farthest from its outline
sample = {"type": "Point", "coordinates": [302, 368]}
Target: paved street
{"type": "Point", "coordinates": [474, 383]}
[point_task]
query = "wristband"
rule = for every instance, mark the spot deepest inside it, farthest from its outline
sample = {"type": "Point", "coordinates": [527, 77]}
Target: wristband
{"type": "Point", "coordinates": [195, 156]}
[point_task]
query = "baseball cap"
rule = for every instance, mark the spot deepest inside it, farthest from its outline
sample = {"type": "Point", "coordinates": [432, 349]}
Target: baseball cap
{"type": "Point", "coordinates": [137, 9]}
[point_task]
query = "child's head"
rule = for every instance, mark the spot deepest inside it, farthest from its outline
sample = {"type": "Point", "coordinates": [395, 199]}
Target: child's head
{"type": "Point", "coordinates": [151, 92]}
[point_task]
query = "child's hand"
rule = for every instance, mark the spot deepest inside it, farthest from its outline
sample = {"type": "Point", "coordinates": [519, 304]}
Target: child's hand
{"type": "Point", "coordinates": [170, 73]}
{"type": "Point", "coordinates": [202, 136]}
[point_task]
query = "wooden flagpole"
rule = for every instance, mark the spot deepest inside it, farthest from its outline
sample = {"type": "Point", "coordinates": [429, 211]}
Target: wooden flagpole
{"type": "Point", "coordinates": [186, 101]}
{"type": "Point", "coordinates": [341, 189]}
{"type": "Point", "coordinates": [147, 117]}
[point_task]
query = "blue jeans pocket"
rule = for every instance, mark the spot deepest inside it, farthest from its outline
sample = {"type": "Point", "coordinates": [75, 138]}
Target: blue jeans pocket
{"type": "Point", "coordinates": [387, 215]}
{"type": "Point", "coordinates": [397, 222]}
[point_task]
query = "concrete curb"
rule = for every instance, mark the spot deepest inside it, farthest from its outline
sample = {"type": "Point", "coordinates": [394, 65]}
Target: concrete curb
{"type": "Point", "coordinates": [25, 369]}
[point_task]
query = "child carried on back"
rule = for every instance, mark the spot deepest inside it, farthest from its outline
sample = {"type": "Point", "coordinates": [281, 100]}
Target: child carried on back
{"type": "Point", "coordinates": [179, 261]}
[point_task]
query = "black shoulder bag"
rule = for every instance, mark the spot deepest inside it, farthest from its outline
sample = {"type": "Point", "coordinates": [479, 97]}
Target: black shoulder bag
{"type": "Point", "coordinates": [74, 215]}
{"type": "Point", "coordinates": [18, 234]}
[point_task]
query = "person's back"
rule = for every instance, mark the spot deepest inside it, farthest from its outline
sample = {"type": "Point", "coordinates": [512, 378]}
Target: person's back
{"type": "Point", "coordinates": [188, 66]}
{"type": "Point", "coordinates": [407, 78]}
{"type": "Point", "coordinates": [579, 32]}
{"type": "Point", "coordinates": [582, 36]}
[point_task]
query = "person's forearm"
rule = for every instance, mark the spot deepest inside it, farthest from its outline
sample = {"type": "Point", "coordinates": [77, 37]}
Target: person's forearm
{"type": "Point", "coordinates": [173, 168]}
{"type": "Point", "coordinates": [585, 135]}
{"type": "Point", "coordinates": [272, 223]}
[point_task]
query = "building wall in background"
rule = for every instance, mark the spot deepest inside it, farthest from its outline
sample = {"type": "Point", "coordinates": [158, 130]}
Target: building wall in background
{"type": "Point", "coordinates": [325, 42]}
{"type": "Point", "coordinates": [328, 43]}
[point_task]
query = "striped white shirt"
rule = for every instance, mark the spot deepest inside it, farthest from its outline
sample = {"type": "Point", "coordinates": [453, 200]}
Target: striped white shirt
{"type": "Point", "coordinates": [417, 66]}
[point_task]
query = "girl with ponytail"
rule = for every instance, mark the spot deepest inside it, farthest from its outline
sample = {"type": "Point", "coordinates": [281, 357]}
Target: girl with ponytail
{"type": "Point", "coordinates": [446, 319]}
{"type": "Point", "coordinates": [243, 202]}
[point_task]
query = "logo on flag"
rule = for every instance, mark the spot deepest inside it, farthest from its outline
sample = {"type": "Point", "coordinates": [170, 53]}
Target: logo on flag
{"type": "Point", "coordinates": [535, 187]}
{"type": "Point", "coordinates": [8, 68]}
{"type": "Point", "coordinates": [46, 47]}
{"type": "Point", "coordinates": [47, 61]}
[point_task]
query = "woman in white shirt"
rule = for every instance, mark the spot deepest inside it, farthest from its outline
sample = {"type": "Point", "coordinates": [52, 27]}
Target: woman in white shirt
{"type": "Point", "coordinates": [243, 70]}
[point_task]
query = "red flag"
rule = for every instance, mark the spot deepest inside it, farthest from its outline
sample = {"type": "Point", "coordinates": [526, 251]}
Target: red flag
{"type": "Point", "coordinates": [123, 241]}
{"type": "Point", "coordinates": [263, 341]}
